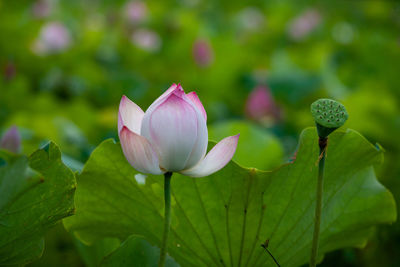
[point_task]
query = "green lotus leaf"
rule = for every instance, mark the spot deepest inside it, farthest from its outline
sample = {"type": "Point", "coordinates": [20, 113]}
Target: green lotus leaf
{"type": "Point", "coordinates": [35, 194]}
{"type": "Point", "coordinates": [222, 220]}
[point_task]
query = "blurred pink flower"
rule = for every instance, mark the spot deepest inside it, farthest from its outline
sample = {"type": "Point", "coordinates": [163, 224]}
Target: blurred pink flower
{"type": "Point", "coordinates": [54, 37]}
{"type": "Point", "coordinates": [171, 136]}
{"type": "Point", "coordinates": [146, 39]}
{"type": "Point", "coordinates": [41, 8]}
{"type": "Point", "coordinates": [203, 53]}
{"type": "Point", "coordinates": [135, 11]}
{"type": "Point", "coordinates": [9, 71]}
{"type": "Point", "coordinates": [302, 25]}
{"type": "Point", "coordinates": [11, 140]}
{"type": "Point", "coordinates": [251, 19]}
{"type": "Point", "coordinates": [261, 106]}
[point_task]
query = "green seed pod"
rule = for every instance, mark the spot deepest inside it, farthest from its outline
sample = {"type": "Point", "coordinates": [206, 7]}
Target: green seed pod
{"type": "Point", "coordinates": [328, 115]}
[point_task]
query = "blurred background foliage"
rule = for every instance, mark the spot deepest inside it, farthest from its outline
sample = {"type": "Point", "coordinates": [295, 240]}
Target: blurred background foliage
{"type": "Point", "coordinates": [256, 65]}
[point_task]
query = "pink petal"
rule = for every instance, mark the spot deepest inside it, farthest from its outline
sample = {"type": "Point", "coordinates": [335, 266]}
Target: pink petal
{"type": "Point", "coordinates": [129, 115]}
{"type": "Point", "coordinates": [196, 101]}
{"type": "Point", "coordinates": [139, 152]}
{"type": "Point", "coordinates": [216, 159]}
{"type": "Point", "coordinates": [171, 127]}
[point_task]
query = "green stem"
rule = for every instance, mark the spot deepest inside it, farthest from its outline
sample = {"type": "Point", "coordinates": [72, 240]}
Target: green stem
{"type": "Point", "coordinates": [318, 206]}
{"type": "Point", "coordinates": [167, 217]}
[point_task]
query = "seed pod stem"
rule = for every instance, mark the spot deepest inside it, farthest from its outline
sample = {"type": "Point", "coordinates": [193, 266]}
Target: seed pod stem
{"type": "Point", "coordinates": [329, 115]}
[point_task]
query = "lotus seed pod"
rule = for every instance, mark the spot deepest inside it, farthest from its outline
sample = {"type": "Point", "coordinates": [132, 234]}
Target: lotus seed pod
{"type": "Point", "coordinates": [329, 115]}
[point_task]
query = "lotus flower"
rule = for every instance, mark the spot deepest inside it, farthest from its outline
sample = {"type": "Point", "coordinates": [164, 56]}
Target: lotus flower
{"type": "Point", "coordinates": [171, 136]}
{"type": "Point", "coordinates": [10, 71]}
{"type": "Point", "coordinates": [251, 19]}
{"type": "Point", "coordinates": [42, 8]}
{"type": "Point", "coordinates": [147, 40]}
{"type": "Point", "coordinates": [301, 26]}
{"type": "Point", "coordinates": [54, 38]}
{"type": "Point", "coordinates": [135, 11]}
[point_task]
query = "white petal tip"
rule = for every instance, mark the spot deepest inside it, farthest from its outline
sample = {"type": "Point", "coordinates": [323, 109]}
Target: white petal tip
{"type": "Point", "coordinates": [129, 115]}
{"type": "Point", "coordinates": [216, 159]}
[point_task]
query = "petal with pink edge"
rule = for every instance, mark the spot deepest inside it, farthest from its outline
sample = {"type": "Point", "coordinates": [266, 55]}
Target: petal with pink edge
{"type": "Point", "coordinates": [129, 115]}
{"type": "Point", "coordinates": [200, 147]}
{"type": "Point", "coordinates": [173, 88]}
{"type": "Point", "coordinates": [196, 101]}
{"type": "Point", "coordinates": [216, 159]}
{"type": "Point", "coordinates": [167, 92]}
{"type": "Point", "coordinates": [139, 152]}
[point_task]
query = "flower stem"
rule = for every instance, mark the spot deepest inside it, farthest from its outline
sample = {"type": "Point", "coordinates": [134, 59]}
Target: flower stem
{"type": "Point", "coordinates": [167, 217]}
{"type": "Point", "coordinates": [318, 206]}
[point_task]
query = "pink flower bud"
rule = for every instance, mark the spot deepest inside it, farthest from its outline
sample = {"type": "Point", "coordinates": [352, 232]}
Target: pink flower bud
{"type": "Point", "coordinates": [260, 105]}
{"type": "Point", "coordinates": [11, 140]}
{"type": "Point", "coordinates": [171, 136]}
{"type": "Point", "coordinates": [202, 53]}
